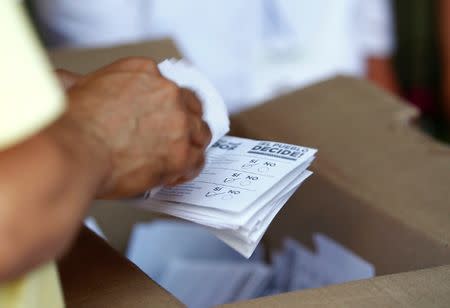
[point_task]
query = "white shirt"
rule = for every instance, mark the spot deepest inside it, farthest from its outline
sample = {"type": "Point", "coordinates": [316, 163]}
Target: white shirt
{"type": "Point", "coordinates": [251, 50]}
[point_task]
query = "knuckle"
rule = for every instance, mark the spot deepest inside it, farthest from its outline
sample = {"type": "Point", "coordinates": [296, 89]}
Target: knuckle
{"type": "Point", "coordinates": [199, 105]}
{"type": "Point", "coordinates": [129, 61]}
{"type": "Point", "coordinates": [180, 160]}
{"type": "Point", "coordinates": [152, 65]}
{"type": "Point", "coordinates": [177, 127]}
{"type": "Point", "coordinates": [195, 98]}
{"type": "Point", "coordinates": [206, 129]}
{"type": "Point", "coordinates": [172, 89]}
{"type": "Point", "coordinates": [182, 121]}
{"type": "Point", "coordinates": [141, 63]}
{"type": "Point", "coordinates": [201, 161]}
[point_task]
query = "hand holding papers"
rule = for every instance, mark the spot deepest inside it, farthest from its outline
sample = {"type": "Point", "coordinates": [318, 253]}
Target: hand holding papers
{"type": "Point", "coordinates": [244, 184]}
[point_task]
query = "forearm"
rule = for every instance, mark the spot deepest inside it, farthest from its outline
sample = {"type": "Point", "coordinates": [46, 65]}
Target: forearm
{"type": "Point", "coordinates": [46, 185]}
{"type": "Point", "coordinates": [127, 129]}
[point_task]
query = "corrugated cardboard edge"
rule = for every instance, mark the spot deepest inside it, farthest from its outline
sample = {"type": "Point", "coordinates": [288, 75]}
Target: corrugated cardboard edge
{"type": "Point", "coordinates": [423, 288]}
{"type": "Point", "coordinates": [387, 242]}
{"type": "Point", "coordinates": [321, 107]}
{"type": "Point", "coordinates": [95, 275]}
{"type": "Point", "coordinates": [86, 60]}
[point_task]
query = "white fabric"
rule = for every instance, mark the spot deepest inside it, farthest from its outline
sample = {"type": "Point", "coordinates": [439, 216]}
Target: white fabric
{"type": "Point", "coordinates": [90, 23]}
{"type": "Point", "coordinates": [377, 27]}
{"type": "Point", "coordinates": [250, 50]}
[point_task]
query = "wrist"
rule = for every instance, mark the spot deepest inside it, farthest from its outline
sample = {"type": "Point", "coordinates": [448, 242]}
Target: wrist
{"type": "Point", "coordinates": [83, 149]}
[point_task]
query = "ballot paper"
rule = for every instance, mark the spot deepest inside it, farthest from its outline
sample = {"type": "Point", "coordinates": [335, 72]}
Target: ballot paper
{"type": "Point", "coordinates": [201, 271]}
{"type": "Point", "coordinates": [167, 240]}
{"type": "Point", "coordinates": [244, 183]}
{"type": "Point", "coordinates": [92, 224]}
{"type": "Point", "coordinates": [296, 267]}
{"type": "Point", "coordinates": [223, 282]}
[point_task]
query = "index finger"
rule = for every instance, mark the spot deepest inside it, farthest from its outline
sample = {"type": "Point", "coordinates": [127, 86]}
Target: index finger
{"type": "Point", "coordinates": [200, 132]}
{"type": "Point", "coordinates": [135, 64]}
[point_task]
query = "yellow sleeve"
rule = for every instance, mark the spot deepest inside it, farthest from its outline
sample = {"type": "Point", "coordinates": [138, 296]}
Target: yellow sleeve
{"type": "Point", "coordinates": [39, 289]}
{"type": "Point", "coordinates": [30, 97]}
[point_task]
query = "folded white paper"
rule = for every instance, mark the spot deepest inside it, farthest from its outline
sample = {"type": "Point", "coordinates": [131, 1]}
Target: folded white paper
{"type": "Point", "coordinates": [214, 110]}
{"type": "Point", "coordinates": [331, 263]}
{"type": "Point", "coordinates": [221, 282]}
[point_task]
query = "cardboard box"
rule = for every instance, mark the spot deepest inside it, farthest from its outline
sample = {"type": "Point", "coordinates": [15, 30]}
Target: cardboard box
{"type": "Point", "coordinates": [381, 188]}
{"type": "Point", "coordinates": [424, 288]}
{"type": "Point", "coordinates": [381, 185]}
{"type": "Point", "coordinates": [95, 275]}
{"type": "Point", "coordinates": [85, 60]}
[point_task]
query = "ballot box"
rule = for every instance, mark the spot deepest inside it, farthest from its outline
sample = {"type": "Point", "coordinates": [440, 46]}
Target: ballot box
{"type": "Point", "coordinates": [381, 188]}
{"type": "Point", "coordinates": [95, 275]}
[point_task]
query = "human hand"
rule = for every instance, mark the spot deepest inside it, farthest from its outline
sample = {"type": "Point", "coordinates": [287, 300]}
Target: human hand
{"type": "Point", "coordinates": [151, 131]}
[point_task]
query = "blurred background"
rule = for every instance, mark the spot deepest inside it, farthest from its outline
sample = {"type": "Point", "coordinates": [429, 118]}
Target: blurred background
{"type": "Point", "coordinates": [256, 49]}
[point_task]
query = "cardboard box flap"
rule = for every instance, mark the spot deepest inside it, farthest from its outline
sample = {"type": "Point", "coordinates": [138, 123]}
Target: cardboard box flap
{"type": "Point", "coordinates": [378, 155]}
{"type": "Point", "coordinates": [94, 275]}
{"type": "Point", "coordinates": [86, 60]}
{"type": "Point", "coordinates": [424, 288]}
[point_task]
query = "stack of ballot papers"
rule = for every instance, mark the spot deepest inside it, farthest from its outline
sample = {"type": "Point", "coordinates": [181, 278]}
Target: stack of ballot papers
{"type": "Point", "coordinates": [195, 266]}
{"type": "Point", "coordinates": [244, 183]}
{"type": "Point", "coordinates": [201, 271]}
{"type": "Point", "coordinates": [295, 267]}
